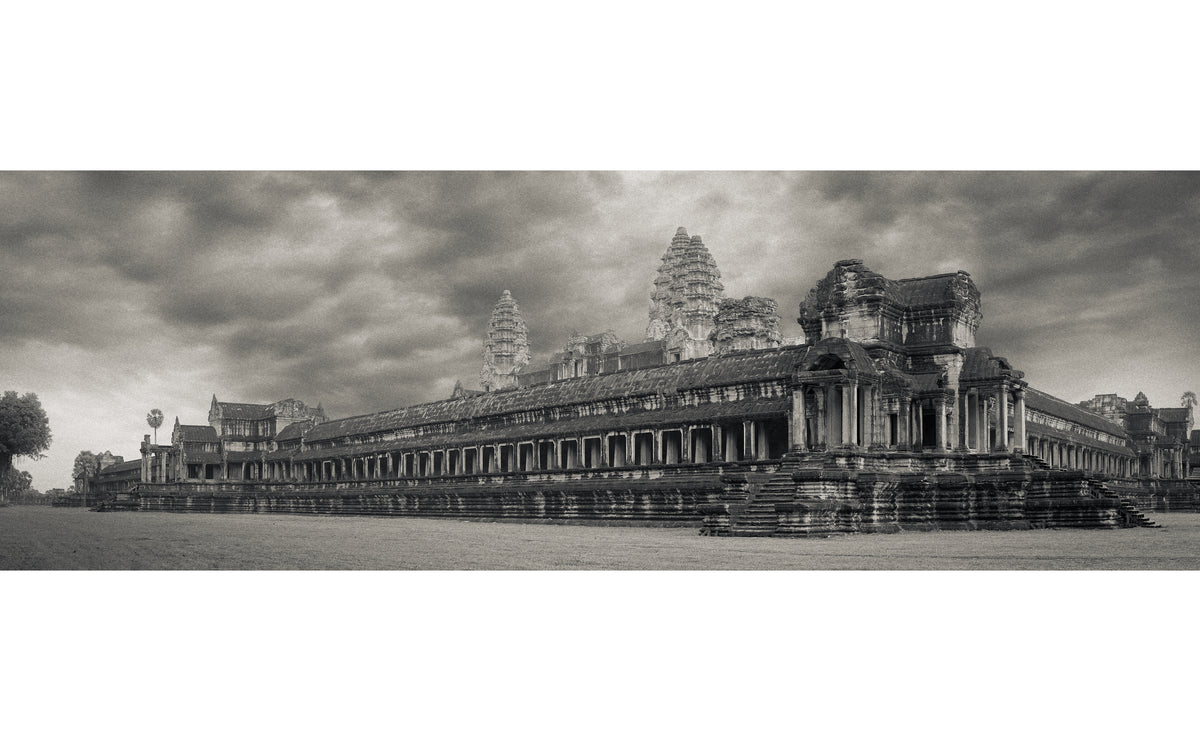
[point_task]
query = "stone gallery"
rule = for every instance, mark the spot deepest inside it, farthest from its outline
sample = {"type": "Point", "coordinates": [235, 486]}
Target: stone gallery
{"type": "Point", "coordinates": [884, 415]}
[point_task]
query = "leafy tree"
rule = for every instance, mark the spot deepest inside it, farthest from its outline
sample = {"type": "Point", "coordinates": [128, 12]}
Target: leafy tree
{"type": "Point", "coordinates": [24, 428]}
{"type": "Point", "coordinates": [85, 465]}
{"type": "Point", "coordinates": [155, 420]}
{"type": "Point", "coordinates": [1188, 399]}
{"type": "Point", "coordinates": [15, 484]}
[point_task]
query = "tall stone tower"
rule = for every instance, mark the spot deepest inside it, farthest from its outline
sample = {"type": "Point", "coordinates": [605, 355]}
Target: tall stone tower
{"type": "Point", "coordinates": [506, 350]}
{"type": "Point", "coordinates": [687, 291]}
{"type": "Point", "coordinates": [749, 324]}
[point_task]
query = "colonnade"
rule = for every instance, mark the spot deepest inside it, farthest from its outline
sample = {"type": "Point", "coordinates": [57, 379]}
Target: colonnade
{"type": "Point", "coordinates": [1062, 454]}
{"type": "Point", "coordinates": [740, 440]}
{"type": "Point", "coordinates": [847, 412]}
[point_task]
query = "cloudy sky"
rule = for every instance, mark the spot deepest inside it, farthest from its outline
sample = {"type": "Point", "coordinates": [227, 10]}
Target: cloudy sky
{"type": "Point", "coordinates": [124, 292]}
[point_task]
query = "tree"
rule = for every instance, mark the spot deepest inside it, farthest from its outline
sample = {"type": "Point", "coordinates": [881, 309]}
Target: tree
{"type": "Point", "coordinates": [85, 465]}
{"type": "Point", "coordinates": [1188, 399]}
{"type": "Point", "coordinates": [154, 419]}
{"type": "Point", "coordinates": [15, 484]}
{"type": "Point", "coordinates": [24, 428]}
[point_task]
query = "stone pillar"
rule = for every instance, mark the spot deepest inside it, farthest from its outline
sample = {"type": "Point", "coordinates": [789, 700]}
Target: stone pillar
{"type": "Point", "coordinates": [853, 389]}
{"type": "Point", "coordinates": [818, 420]}
{"type": "Point", "coordinates": [145, 474]}
{"type": "Point", "coordinates": [939, 429]}
{"type": "Point", "coordinates": [952, 426]}
{"type": "Point", "coordinates": [830, 405]}
{"type": "Point", "coordinates": [797, 419]}
{"type": "Point", "coordinates": [919, 424]}
{"type": "Point", "coordinates": [1019, 411]}
{"type": "Point", "coordinates": [1002, 418]}
{"type": "Point", "coordinates": [903, 424]}
{"type": "Point", "coordinates": [985, 444]}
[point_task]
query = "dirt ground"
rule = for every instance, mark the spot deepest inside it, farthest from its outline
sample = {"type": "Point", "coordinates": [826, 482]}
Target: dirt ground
{"type": "Point", "coordinates": [72, 539]}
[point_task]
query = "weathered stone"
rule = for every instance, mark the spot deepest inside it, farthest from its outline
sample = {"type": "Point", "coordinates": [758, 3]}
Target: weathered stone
{"type": "Point", "coordinates": [506, 349]}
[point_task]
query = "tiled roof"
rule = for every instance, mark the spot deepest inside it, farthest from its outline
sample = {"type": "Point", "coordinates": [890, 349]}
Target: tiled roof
{"type": "Point", "coordinates": [1056, 407]}
{"type": "Point", "coordinates": [701, 414]}
{"type": "Point", "coordinates": [197, 434]}
{"type": "Point", "coordinates": [293, 431]}
{"type": "Point", "coordinates": [119, 468]}
{"type": "Point", "coordinates": [722, 370]}
{"type": "Point", "coordinates": [1173, 414]}
{"type": "Point", "coordinates": [238, 410]}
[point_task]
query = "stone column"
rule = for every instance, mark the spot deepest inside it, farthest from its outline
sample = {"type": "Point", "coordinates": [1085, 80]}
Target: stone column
{"type": "Point", "coordinates": [797, 419]}
{"type": "Point", "coordinates": [903, 424]}
{"type": "Point", "coordinates": [853, 390]}
{"type": "Point", "coordinates": [1019, 411]}
{"type": "Point", "coordinates": [819, 429]}
{"type": "Point", "coordinates": [919, 425]}
{"type": "Point", "coordinates": [939, 429]}
{"type": "Point", "coordinates": [830, 406]}
{"type": "Point", "coordinates": [985, 445]}
{"type": "Point", "coordinates": [1002, 418]}
{"type": "Point", "coordinates": [952, 427]}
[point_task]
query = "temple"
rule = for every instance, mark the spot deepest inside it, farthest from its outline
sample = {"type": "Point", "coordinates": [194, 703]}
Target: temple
{"type": "Point", "coordinates": [885, 415]}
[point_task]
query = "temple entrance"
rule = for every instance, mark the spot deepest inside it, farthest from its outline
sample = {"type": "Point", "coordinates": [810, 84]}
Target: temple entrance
{"type": "Point", "coordinates": [701, 445]}
{"type": "Point", "coordinates": [591, 452]}
{"type": "Point", "coordinates": [929, 419]}
{"type": "Point", "coordinates": [616, 450]}
{"type": "Point", "coordinates": [672, 444]}
{"type": "Point", "coordinates": [733, 442]}
{"type": "Point", "coordinates": [773, 438]}
{"type": "Point", "coordinates": [643, 448]}
{"type": "Point", "coordinates": [569, 453]}
{"type": "Point", "coordinates": [546, 456]}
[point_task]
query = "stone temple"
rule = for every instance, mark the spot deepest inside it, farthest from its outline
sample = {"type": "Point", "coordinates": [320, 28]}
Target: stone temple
{"type": "Point", "coordinates": [884, 416]}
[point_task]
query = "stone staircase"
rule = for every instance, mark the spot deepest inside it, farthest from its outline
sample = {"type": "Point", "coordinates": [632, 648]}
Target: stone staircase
{"type": "Point", "coordinates": [1127, 508]}
{"type": "Point", "coordinates": [1131, 514]}
{"type": "Point", "coordinates": [1037, 462]}
{"type": "Point", "coordinates": [759, 517]}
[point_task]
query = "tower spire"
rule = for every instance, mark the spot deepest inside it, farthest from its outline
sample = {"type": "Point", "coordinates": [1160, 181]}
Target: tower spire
{"type": "Point", "coordinates": [506, 349]}
{"type": "Point", "coordinates": [687, 291]}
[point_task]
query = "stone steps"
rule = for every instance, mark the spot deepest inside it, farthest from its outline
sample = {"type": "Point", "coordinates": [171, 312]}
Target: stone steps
{"type": "Point", "coordinates": [760, 518]}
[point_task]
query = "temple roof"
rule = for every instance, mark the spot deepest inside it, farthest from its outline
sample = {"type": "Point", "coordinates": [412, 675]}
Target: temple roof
{"type": "Point", "coordinates": [1174, 414]}
{"type": "Point", "coordinates": [757, 365]}
{"type": "Point", "coordinates": [979, 364]}
{"type": "Point", "coordinates": [197, 434]}
{"type": "Point", "coordinates": [239, 410]}
{"type": "Point", "coordinates": [1055, 406]}
{"type": "Point", "coordinates": [294, 431]}
{"type": "Point", "coordinates": [931, 289]}
{"type": "Point", "coordinates": [119, 468]}
{"type": "Point", "coordinates": [714, 412]}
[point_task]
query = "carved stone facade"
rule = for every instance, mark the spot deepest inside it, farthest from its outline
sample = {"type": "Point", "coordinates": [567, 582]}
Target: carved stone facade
{"type": "Point", "coordinates": [233, 446]}
{"type": "Point", "coordinates": [687, 291]}
{"type": "Point", "coordinates": [751, 323]}
{"type": "Point", "coordinates": [506, 349]}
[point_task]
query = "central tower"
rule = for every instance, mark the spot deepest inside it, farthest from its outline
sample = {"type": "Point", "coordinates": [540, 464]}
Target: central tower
{"type": "Point", "coordinates": [684, 303]}
{"type": "Point", "coordinates": [506, 350]}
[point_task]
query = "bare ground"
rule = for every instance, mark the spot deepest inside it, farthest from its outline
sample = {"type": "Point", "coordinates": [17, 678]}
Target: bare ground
{"type": "Point", "coordinates": [60, 538]}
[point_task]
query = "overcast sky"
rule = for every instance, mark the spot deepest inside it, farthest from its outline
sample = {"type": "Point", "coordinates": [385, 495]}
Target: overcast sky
{"type": "Point", "coordinates": [124, 292]}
